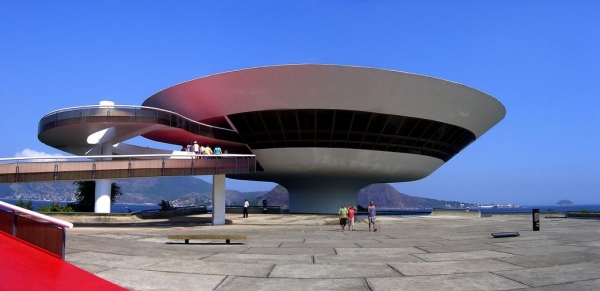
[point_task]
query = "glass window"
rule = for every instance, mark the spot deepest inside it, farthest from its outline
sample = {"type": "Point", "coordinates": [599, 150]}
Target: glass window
{"type": "Point", "coordinates": [377, 123]}
{"type": "Point", "coordinates": [360, 121]}
{"type": "Point", "coordinates": [342, 120]}
{"type": "Point", "coordinates": [255, 121]}
{"type": "Point", "coordinates": [325, 119]}
{"type": "Point", "coordinates": [306, 119]}
{"type": "Point", "coordinates": [288, 119]}
{"type": "Point", "coordinates": [392, 125]}
{"type": "Point", "coordinates": [271, 120]}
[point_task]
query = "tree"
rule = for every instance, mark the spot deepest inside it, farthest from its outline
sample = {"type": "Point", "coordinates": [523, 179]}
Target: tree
{"type": "Point", "coordinates": [55, 207]}
{"type": "Point", "coordinates": [85, 195]}
{"type": "Point", "coordinates": [27, 205]}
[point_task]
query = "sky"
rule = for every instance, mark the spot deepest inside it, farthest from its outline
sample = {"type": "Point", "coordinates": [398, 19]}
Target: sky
{"type": "Point", "coordinates": [540, 59]}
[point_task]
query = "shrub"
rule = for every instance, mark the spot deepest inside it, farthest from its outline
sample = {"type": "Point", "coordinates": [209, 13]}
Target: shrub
{"type": "Point", "coordinates": [27, 205]}
{"type": "Point", "coordinates": [165, 205]}
{"type": "Point", "coordinates": [55, 207]}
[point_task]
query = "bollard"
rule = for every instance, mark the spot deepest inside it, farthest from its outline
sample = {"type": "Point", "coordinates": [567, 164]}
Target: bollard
{"type": "Point", "coordinates": [535, 215]}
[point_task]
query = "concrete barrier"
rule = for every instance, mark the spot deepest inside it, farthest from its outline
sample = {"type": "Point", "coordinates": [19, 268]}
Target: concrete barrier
{"type": "Point", "coordinates": [252, 209]}
{"type": "Point", "coordinates": [467, 213]}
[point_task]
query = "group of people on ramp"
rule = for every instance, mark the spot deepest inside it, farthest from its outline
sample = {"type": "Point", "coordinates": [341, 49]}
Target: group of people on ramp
{"type": "Point", "coordinates": [347, 216]}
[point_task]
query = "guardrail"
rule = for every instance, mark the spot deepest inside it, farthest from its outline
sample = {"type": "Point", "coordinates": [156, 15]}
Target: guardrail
{"type": "Point", "coordinates": [43, 231]}
{"type": "Point", "coordinates": [132, 114]}
{"type": "Point", "coordinates": [77, 168]}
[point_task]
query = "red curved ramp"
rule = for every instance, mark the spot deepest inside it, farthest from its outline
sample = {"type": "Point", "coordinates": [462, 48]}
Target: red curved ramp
{"type": "Point", "coordinates": [26, 267]}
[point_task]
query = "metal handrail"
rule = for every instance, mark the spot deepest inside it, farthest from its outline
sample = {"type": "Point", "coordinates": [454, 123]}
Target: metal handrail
{"type": "Point", "coordinates": [130, 107]}
{"type": "Point", "coordinates": [56, 221]}
{"type": "Point", "coordinates": [191, 156]}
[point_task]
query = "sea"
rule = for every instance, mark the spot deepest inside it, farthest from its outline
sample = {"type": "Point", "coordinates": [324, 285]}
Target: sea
{"type": "Point", "coordinates": [114, 208]}
{"type": "Point", "coordinates": [125, 208]}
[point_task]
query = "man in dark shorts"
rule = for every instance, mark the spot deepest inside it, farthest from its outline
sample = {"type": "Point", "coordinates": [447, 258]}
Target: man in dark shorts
{"type": "Point", "coordinates": [343, 213]}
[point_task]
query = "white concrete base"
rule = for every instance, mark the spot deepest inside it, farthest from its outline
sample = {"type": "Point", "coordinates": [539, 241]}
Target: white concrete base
{"type": "Point", "coordinates": [102, 204]}
{"type": "Point", "coordinates": [218, 200]}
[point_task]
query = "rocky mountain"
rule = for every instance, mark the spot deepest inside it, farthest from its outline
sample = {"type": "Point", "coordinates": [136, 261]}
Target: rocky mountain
{"type": "Point", "coordinates": [382, 195]}
{"type": "Point", "coordinates": [183, 191]}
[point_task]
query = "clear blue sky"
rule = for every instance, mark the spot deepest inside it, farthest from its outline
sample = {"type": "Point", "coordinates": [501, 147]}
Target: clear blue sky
{"type": "Point", "coordinates": [541, 59]}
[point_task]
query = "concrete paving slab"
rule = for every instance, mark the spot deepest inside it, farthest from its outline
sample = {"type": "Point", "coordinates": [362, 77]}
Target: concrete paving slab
{"type": "Point", "coordinates": [331, 271]}
{"type": "Point", "coordinates": [93, 268]}
{"type": "Point", "coordinates": [457, 256]}
{"type": "Point", "coordinates": [526, 243]}
{"type": "Point", "coordinates": [279, 284]}
{"type": "Point", "coordinates": [262, 258]}
{"type": "Point", "coordinates": [212, 268]}
{"type": "Point", "coordinates": [553, 249]}
{"type": "Point", "coordinates": [402, 240]}
{"type": "Point", "coordinates": [112, 260]}
{"type": "Point", "coordinates": [461, 248]}
{"type": "Point", "coordinates": [589, 285]}
{"type": "Point", "coordinates": [554, 275]}
{"type": "Point", "coordinates": [361, 260]}
{"type": "Point", "coordinates": [458, 282]}
{"type": "Point", "coordinates": [347, 244]}
{"type": "Point", "coordinates": [452, 267]}
{"type": "Point", "coordinates": [377, 251]}
{"type": "Point", "coordinates": [140, 280]}
{"type": "Point", "coordinates": [290, 251]}
{"type": "Point", "coordinates": [549, 260]}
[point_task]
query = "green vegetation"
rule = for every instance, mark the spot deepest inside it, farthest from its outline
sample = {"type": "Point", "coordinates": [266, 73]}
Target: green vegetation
{"type": "Point", "coordinates": [550, 210]}
{"type": "Point", "coordinates": [85, 195]}
{"type": "Point", "coordinates": [55, 207]}
{"type": "Point", "coordinates": [27, 205]}
{"type": "Point", "coordinates": [584, 211]}
{"type": "Point", "coordinates": [165, 205]}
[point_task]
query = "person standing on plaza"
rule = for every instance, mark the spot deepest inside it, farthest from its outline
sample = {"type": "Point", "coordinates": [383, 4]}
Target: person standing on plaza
{"type": "Point", "coordinates": [351, 212]}
{"type": "Point", "coordinates": [246, 205]}
{"type": "Point", "coordinates": [371, 215]}
{"type": "Point", "coordinates": [343, 213]}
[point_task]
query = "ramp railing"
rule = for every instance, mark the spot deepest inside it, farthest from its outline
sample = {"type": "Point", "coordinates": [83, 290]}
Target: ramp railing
{"type": "Point", "coordinates": [43, 231]}
{"type": "Point", "coordinates": [81, 168]}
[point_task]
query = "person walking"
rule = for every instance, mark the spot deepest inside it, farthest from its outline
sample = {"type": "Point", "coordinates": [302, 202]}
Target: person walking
{"type": "Point", "coordinates": [351, 212]}
{"type": "Point", "coordinates": [343, 213]}
{"type": "Point", "coordinates": [371, 215]}
{"type": "Point", "coordinates": [246, 205]}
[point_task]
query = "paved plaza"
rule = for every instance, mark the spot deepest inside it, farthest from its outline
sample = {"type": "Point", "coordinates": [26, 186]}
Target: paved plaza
{"type": "Point", "coordinates": [309, 252]}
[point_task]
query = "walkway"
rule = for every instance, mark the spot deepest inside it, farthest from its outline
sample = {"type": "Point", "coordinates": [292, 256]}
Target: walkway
{"type": "Point", "coordinates": [309, 252]}
{"type": "Point", "coordinates": [26, 267]}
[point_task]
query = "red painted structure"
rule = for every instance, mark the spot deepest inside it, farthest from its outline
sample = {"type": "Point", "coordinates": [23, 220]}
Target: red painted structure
{"type": "Point", "coordinates": [24, 266]}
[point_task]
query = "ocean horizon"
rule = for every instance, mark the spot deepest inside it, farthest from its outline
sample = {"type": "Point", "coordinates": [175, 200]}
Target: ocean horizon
{"type": "Point", "coordinates": [131, 207]}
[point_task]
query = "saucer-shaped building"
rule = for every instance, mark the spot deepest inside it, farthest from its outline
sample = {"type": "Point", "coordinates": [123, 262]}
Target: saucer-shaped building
{"type": "Point", "coordinates": [326, 131]}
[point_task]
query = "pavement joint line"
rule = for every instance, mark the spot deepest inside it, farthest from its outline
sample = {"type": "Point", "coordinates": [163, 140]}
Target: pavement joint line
{"type": "Point", "coordinates": [221, 282]}
{"type": "Point", "coordinates": [271, 271]}
{"type": "Point", "coordinates": [421, 249]}
{"type": "Point", "coordinates": [368, 285]}
{"type": "Point", "coordinates": [388, 264]}
{"type": "Point", "coordinates": [531, 286]}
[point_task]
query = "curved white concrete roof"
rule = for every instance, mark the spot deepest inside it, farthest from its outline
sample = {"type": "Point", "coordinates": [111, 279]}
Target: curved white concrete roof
{"type": "Point", "coordinates": [332, 87]}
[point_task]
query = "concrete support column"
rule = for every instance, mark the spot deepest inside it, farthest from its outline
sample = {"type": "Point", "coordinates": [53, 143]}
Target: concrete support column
{"type": "Point", "coordinates": [103, 187]}
{"type": "Point", "coordinates": [102, 204]}
{"type": "Point", "coordinates": [322, 196]}
{"type": "Point", "coordinates": [218, 200]}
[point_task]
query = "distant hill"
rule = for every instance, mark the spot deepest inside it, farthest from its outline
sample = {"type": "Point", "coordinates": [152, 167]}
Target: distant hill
{"type": "Point", "coordinates": [383, 196]}
{"type": "Point", "coordinates": [183, 191]}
